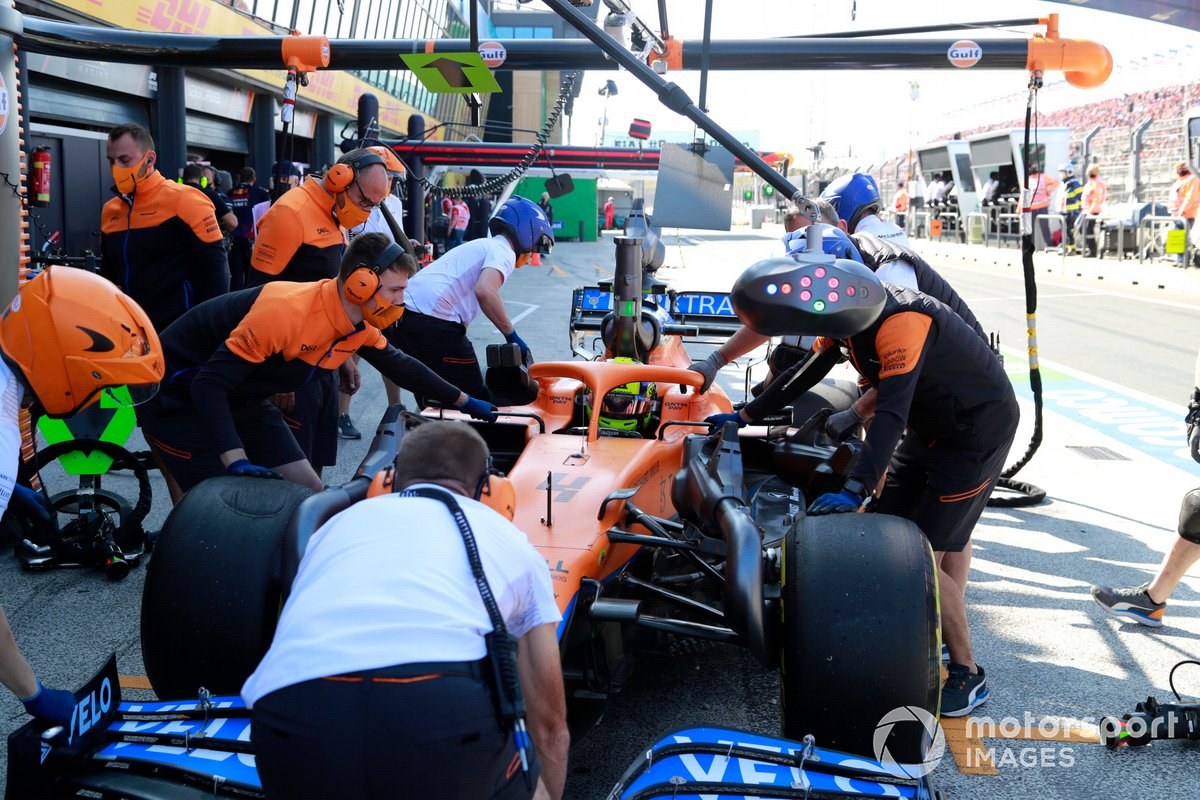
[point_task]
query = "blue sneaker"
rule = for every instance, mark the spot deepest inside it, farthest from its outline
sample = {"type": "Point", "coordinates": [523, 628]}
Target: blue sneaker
{"type": "Point", "coordinates": [945, 654]}
{"type": "Point", "coordinates": [963, 691]}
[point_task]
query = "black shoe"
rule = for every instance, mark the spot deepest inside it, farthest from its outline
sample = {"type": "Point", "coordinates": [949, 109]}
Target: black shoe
{"type": "Point", "coordinates": [963, 691]}
{"type": "Point", "coordinates": [346, 429]}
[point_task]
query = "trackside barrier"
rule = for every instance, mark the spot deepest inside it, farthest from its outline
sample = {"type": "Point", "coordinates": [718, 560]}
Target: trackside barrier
{"type": "Point", "coordinates": [920, 223]}
{"type": "Point", "coordinates": [1062, 224]}
{"type": "Point", "coordinates": [1013, 221]}
{"type": "Point", "coordinates": [1121, 227]}
{"type": "Point", "coordinates": [1148, 237]}
{"type": "Point", "coordinates": [977, 227]}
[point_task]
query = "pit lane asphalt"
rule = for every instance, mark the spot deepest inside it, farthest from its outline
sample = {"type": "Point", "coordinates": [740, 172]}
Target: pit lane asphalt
{"type": "Point", "coordinates": [1048, 649]}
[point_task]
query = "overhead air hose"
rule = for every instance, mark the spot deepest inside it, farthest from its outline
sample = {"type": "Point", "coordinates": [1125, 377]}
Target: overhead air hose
{"type": "Point", "coordinates": [488, 187]}
{"type": "Point", "coordinates": [1019, 493]}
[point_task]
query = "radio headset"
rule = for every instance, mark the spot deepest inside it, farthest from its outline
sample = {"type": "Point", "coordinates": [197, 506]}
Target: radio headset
{"type": "Point", "coordinates": [339, 177]}
{"type": "Point", "coordinates": [364, 282]}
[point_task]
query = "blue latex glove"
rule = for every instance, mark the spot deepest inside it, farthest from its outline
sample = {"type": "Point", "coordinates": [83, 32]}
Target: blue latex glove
{"type": "Point", "coordinates": [243, 468]}
{"type": "Point", "coordinates": [55, 705]}
{"type": "Point", "coordinates": [32, 502]}
{"type": "Point", "coordinates": [839, 503]}
{"type": "Point", "coordinates": [479, 409]}
{"type": "Point", "coordinates": [513, 338]}
{"type": "Point", "coordinates": [718, 421]}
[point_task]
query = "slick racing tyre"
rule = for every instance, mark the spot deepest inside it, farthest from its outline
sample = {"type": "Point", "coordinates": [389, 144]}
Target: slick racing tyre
{"type": "Point", "coordinates": [829, 393]}
{"type": "Point", "coordinates": [212, 592]}
{"type": "Point", "coordinates": [860, 632]}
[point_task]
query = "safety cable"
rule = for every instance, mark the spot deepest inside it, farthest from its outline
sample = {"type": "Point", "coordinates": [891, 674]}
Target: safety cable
{"type": "Point", "coordinates": [1171, 676]}
{"type": "Point", "coordinates": [489, 186]}
{"type": "Point", "coordinates": [1022, 493]}
{"type": "Point", "coordinates": [23, 196]}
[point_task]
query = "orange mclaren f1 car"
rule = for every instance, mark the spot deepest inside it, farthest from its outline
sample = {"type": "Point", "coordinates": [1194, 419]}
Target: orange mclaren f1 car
{"type": "Point", "coordinates": [670, 531]}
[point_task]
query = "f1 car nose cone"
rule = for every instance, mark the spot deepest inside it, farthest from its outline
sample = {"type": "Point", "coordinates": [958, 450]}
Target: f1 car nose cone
{"type": "Point", "coordinates": [810, 294]}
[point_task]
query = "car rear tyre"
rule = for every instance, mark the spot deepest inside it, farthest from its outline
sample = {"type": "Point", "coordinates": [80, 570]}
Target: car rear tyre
{"type": "Point", "coordinates": [860, 632]}
{"type": "Point", "coordinates": [212, 593]}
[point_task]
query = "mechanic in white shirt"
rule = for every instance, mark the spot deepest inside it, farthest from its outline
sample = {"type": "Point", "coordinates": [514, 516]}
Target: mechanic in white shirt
{"type": "Point", "coordinates": [49, 366]}
{"type": "Point", "coordinates": [444, 298]}
{"type": "Point", "coordinates": [376, 683]}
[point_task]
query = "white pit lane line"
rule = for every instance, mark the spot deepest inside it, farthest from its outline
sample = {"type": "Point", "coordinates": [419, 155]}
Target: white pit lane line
{"type": "Point", "coordinates": [532, 308]}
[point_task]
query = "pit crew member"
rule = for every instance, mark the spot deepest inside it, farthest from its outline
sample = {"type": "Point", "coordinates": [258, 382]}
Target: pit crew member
{"type": "Point", "coordinates": [379, 673]}
{"type": "Point", "coordinates": [1138, 603]}
{"type": "Point", "coordinates": [301, 238]}
{"type": "Point", "coordinates": [446, 297]}
{"type": "Point", "coordinates": [939, 379]}
{"type": "Point", "coordinates": [890, 260]}
{"type": "Point", "coordinates": [227, 356]}
{"type": "Point", "coordinates": [159, 240]}
{"type": "Point", "coordinates": [66, 335]}
{"type": "Point", "coordinates": [855, 198]}
{"type": "Point", "coordinates": [244, 197]}
{"type": "Point", "coordinates": [376, 223]}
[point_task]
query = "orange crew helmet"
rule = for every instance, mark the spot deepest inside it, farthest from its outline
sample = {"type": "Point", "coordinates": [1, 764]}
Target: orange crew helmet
{"type": "Point", "coordinates": [69, 333]}
{"type": "Point", "coordinates": [391, 162]}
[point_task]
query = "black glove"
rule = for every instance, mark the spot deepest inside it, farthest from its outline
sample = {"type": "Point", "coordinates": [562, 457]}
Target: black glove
{"type": "Point", "coordinates": [709, 368]}
{"type": "Point", "coordinates": [243, 468]}
{"type": "Point", "coordinates": [843, 424]}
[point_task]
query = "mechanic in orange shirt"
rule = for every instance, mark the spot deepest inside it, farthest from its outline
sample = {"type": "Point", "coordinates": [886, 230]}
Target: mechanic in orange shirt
{"type": "Point", "coordinates": [301, 238]}
{"type": "Point", "coordinates": [1095, 196]}
{"type": "Point", "coordinates": [226, 357]}
{"type": "Point", "coordinates": [159, 240]}
{"type": "Point", "coordinates": [1041, 187]}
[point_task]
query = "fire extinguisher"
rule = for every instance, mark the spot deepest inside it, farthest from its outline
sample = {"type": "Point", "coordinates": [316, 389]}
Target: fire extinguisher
{"type": "Point", "coordinates": [41, 176]}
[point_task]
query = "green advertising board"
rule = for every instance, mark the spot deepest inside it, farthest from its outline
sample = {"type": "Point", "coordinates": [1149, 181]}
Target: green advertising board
{"type": "Point", "coordinates": [574, 212]}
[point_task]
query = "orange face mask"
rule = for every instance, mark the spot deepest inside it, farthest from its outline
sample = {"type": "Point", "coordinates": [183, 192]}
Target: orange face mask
{"type": "Point", "coordinates": [384, 314]}
{"type": "Point", "coordinates": [126, 178]}
{"type": "Point", "coordinates": [348, 214]}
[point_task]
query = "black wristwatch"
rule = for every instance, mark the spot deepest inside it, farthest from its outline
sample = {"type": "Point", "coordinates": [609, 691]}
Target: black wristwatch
{"type": "Point", "coordinates": [855, 486]}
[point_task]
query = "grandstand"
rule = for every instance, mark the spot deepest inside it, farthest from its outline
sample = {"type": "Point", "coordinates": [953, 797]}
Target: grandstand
{"type": "Point", "coordinates": [1113, 121]}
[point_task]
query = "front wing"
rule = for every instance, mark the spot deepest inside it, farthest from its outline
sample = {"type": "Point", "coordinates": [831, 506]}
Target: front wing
{"type": "Point", "coordinates": [181, 750]}
{"type": "Point", "coordinates": [724, 764]}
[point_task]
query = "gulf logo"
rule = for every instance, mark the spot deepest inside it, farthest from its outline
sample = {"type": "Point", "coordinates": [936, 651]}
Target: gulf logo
{"type": "Point", "coordinates": [493, 54]}
{"type": "Point", "coordinates": [964, 53]}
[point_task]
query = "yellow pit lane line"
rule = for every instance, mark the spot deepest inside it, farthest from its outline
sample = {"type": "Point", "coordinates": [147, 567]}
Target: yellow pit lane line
{"type": "Point", "coordinates": [965, 740]}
